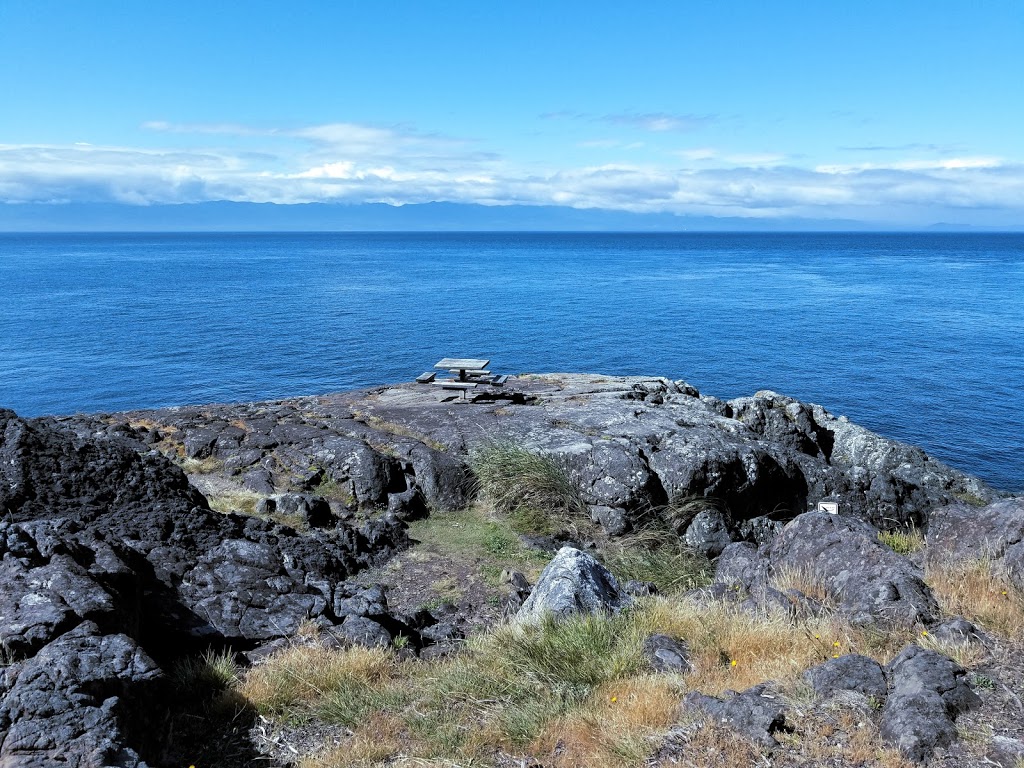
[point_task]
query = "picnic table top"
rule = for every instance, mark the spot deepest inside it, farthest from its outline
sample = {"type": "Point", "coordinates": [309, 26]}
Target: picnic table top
{"type": "Point", "coordinates": [462, 363]}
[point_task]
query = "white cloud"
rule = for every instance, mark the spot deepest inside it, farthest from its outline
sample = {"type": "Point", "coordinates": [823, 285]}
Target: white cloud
{"type": "Point", "coordinates": [359, 163]}
{"type": "Point", "coordinates": [947, 164]}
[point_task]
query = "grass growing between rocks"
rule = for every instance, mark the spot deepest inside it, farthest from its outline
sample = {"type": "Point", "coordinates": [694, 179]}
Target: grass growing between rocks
{"type": "Point", "coordinates": [571, 693]}
{"type": "Point", "coordinates": [903, 542]}
{"type": "Point", "coordinates": [532, 489]}
{"type": "Point", "coordinates": [660, 557]}
{"type": "Point", "coordinates": [975, 590]}
{"type": "Point", "coordinates": [235, 500]}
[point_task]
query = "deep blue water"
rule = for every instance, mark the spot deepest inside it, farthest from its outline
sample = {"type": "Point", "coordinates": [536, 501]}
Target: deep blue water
{"type": "Point", "coordinates": [920, 337]}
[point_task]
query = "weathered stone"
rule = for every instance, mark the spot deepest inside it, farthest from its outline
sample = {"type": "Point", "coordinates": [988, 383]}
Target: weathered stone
{"type": "Point", "coordinates": [958, 632]}
{"type": "Point", "coordinates": [851, 672]}
{"type": "Point", "coordinates": [360, 630]}
{"type": "Point", "coordinates": [612, 519]}
{"type": "Point", "coordinates": [573, 582]}
{"type": "Point", "coordinates": [1006, 752]}
{"type": "Point", "coordinates": [756, 713]}
{"type": "Point", "coordinates": [708, 533]}
{"type": "Point", "coordinates": [666, 654]}
{"type": "Point", "coordinates": [408, 505]}
{"type": "Point", "coordinates": [313, 511]}
{"type": "Point", "coordinates": [928, 691]}
{"type": "Point", "coordinates": [81, 702]}
{"type": "Point", "coordinates": [868, 581]}
{"type": "Point", "coordinates": [741, 565]}
{"type": "Point", "coordinates": [962, 532]}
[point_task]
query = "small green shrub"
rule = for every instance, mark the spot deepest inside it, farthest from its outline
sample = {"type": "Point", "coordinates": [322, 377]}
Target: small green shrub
{"type": "Point", "coordinates": [206, 675]}
{"type": "Point", "coordinates": [903, 542]}
{"type": "Point", "coordinates": [533, 489]}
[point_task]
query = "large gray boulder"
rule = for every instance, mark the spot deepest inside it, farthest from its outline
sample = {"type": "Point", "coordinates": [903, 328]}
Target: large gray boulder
{"type": "Point", "coordinates": [85, 700]}
{"type": "Point", "coordinates": [861, 577]}
{"type": "Point", "coordinates": [928, 691]}
{"type": "Point", "coordinates": [850, 673]}
{"type": "Point", "coordinates": [573, 582]}
{"type": "Point", "coordinates": [960, 532]}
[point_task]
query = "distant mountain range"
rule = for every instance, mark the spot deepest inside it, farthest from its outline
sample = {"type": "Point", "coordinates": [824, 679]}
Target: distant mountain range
{"type": "Point", "coordinates": [424, 217]}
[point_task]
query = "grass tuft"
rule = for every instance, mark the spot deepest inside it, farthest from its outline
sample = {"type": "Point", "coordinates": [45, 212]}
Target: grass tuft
{"type": "Point", "coordinates": [659, 556]}
{"type": "Point", "coordinates": [534, 490]}
{"type": "Point", "coordinates": [903, 542]}
{"type": "Point", "coordinates": [206, 675]}
{"type": "Point", "coordinates": [976, 590]}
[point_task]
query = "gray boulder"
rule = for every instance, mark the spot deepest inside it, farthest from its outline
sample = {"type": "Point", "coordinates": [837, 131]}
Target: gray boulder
{"type": "Point", "coordinates": [708, 533]}
{"type": "Point", "coordinates": [862, 578]}
{"type": "Point", "coordinates": [928, 691]}
{"type": "Point", "coordinates": [81, 702]}
{"type": "Point", "coordinates": [961, 532]}
{"type": "Point", "coordinates": [849, 673]}
{"type": "Point", "coordinates": [868, 582]}
{"type": "Point", "coordinates": [756, 714]}
{"type": "Point", "coordinates": [613, 519]}
{"type": "Point", "coordinates": [360, 630]}
{"type": "Point", "coordinates": [573, 582]}
{"type": "Point", "coordinates": [958, 632]}
{"type": "Point", "coordinates": [666, 654]}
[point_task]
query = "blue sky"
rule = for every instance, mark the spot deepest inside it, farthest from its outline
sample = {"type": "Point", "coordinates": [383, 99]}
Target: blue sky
{"type": "Point", "coordinates": [897, 113]}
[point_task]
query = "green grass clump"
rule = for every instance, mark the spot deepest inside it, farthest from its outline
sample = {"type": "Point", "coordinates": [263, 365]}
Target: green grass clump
{"type": "Point", "coordinates": [903, 542]}
{"type": "Point", "coordinates": [659, 556]}
{"type": "Point", "coordinates": [207, 674]}
{"type": "Point", "coordinates": [533, 489]}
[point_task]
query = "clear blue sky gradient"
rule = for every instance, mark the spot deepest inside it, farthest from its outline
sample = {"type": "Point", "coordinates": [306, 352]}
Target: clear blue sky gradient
{"type": "Point", "coordinates": [872, 110]}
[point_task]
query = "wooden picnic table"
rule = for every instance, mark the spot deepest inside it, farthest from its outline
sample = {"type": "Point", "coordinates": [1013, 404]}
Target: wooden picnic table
{"type": "Point", "coordinates": [462, 364]}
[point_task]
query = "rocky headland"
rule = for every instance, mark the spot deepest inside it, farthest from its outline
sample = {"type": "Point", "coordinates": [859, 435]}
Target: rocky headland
{"type": "Point", "coordinates": [138, 547]}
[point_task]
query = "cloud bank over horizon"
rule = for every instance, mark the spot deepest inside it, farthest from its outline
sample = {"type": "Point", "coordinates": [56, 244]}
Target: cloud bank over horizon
{"type": "Point", "coordinates": [354, 162]}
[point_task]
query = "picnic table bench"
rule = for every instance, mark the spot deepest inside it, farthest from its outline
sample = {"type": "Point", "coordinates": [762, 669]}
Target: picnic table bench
{"type": "Point", "coordinates": [463, 366]}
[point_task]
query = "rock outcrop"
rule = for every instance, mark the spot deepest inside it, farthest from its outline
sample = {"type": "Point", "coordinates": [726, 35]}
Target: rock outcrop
{"type": "Point", "coordinates": [840, 557]}
{"type": "Point", "coordinates": [928, 692]}
{"type": "Point", "coordinates": [573, 582]}
{"type": "Point", "coordinates": [960, 532]}
{"type": "Point", "coordinates": [114, 565]}
{"type": "Point", "coordinates": [733, 470]}
{"type": "Point", "coordinates": [110, 559]}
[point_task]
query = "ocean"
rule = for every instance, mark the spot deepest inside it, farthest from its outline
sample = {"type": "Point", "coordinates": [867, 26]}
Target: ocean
{"type": "Point", "coordinates": [917, 336]}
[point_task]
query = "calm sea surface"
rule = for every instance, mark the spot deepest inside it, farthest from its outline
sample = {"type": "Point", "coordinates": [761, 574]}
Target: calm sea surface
{"type": "Point", "coordinates": [920, 337]}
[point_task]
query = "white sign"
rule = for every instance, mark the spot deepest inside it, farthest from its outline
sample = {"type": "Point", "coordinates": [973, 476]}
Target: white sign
{"type": "Point", "coordinates": [832, 507]}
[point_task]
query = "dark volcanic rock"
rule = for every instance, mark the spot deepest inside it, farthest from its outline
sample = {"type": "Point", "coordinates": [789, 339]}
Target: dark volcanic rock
{"type": "Point", "coordinates": [963, 532]}
{"type": "Point", "coordinates": [79, 703]}
{"type": "Point", "coordinates": [756, 713]}
{"type": "Point", "coordinates": [867, 581]}
{"type": "Point", "coordinates": [104, 550]}
{"type": "Point", "coordinates": [851, 672]}
{"type": "Point", "coordinates": [666, 654]}
{"type": "Point", "coordinates": [928, 692]}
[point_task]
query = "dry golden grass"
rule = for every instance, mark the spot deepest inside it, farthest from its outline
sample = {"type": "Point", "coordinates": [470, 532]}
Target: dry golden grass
{"type": "Point", "coordinates": [975, 590]}
{"type": "Point", "coordinates": [239, 500]}
{"type": "Point", "coordinates": [733, 649]}
{"type": "Point", "coordinates": [205, 466]}
{"type": "Point", "coordinates": [615, 728]}
{"type": "Point", "coordinates": [803, 580]}
{"type": "Point", "coordinates": [573, 693]}
{"type": "Point", "coordinates": [375, 742]}
{"type": "Point", "coordinates": [965, 654]}
{"type": "Point", "coordinates": [304, 675]}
